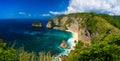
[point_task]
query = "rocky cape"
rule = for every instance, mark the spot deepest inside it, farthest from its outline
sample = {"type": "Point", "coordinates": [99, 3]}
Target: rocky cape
{"type": "Point", "coordinates": [88, 26]}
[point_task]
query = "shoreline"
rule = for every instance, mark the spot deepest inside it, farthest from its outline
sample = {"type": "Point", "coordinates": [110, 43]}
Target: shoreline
{"type": "Point", "coordinates": [71, 42]}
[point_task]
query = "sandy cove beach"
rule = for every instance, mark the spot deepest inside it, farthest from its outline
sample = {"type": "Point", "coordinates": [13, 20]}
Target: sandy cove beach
{"type": "Point", "coordinates": [73, 41]}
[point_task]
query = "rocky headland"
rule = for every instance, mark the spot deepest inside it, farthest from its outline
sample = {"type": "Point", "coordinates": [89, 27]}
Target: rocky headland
{"type": "Point", "coordinates": [85, 27]}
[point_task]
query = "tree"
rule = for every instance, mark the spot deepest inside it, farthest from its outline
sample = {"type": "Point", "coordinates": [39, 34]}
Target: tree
{"type": "Point", "coordinates": [101, 51]}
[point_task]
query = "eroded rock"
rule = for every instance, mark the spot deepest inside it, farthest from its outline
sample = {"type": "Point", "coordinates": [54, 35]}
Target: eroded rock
{"type": "Point", "coordinates": [64, 45]}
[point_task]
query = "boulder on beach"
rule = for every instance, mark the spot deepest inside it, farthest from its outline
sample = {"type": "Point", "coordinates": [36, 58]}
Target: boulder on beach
{"type": "Point", "coordinates": [64, 45]}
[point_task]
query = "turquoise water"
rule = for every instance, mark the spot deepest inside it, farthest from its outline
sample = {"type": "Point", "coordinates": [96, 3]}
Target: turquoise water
{"type": "Point", "coordinates": [22, 34]}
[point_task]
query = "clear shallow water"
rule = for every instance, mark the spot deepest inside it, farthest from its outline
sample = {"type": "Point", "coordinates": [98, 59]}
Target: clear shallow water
{"type": "Point", "coordinates": [34, 39]}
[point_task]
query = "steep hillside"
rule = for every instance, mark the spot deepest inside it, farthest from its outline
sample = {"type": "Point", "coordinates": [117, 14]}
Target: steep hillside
{"type": "Point", "coordinates": [98, 35]}
{"type": "Point", "coordinates": [89, 26]}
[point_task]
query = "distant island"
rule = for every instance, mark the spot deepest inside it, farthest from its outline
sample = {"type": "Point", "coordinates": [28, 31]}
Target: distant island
{"type": "Point", "coordinates": [37, 24]}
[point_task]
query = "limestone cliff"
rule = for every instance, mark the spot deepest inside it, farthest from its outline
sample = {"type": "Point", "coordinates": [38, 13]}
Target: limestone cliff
{"type": "Point", "coordinates": [88, 26]}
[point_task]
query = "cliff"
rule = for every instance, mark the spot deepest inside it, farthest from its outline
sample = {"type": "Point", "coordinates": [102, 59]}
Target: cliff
{"type": "Point", "coordinates": [90, 27]}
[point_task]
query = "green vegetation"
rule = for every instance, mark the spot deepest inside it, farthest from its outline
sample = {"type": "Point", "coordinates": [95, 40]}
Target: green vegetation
{"type": "Point", "coordinates": [105, 39]}
{"type": "Point", "coordinates": [116, 21]}
{"type": "Point", "coordinates": [27, 56]}
{"type": "Point", "coordinates": [10, 54]}
{"type": "Point", "coordinates": [64, 27]}
{"type": "Point", "coordinates": [101, 51]}
{"type": "Point", "coordinates": [7, 53]}
{"type": "Point", "coordinates": [70, 21]}
{"type": "Point", "coordinates": [37, 24]}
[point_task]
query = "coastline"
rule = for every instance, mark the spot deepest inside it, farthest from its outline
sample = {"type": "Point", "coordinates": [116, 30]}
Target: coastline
{"type": "Point", "coordinates": [71, 42]}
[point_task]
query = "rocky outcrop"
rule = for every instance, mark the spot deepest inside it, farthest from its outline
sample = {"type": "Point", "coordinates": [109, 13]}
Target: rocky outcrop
{"type": "Point", "coordinates": [63, 20]}
{"type": "Point", "coordinates": [84, 35]}
{"type": "Point", "coordinates": [56, 21]}
{"type": "Point", "coordinates": [37, 24]}
{"type": "Point", "coordinates": [64, 45]}
{"type": "Point", "coordinates": [49, 24]}
{"type": "Point", "coordinates": [71, 23]}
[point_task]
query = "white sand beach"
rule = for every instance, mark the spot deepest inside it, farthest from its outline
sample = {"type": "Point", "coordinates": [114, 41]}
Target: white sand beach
{"type": "Point", "coordinates": [72, 40]}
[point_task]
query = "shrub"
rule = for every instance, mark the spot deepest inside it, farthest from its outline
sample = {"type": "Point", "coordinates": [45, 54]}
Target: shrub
{"type": "Point", "coordinates": [7, 53]}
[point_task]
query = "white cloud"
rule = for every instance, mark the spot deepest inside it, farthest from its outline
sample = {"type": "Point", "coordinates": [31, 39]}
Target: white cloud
{"type": "Point", "coordinates": [111, 7]}
{"type": "Point", "coordinates": [45, 14]}
{"type": "Point", "coordinates": [23, 13]}
{"type": "Point", "coordinates": [29, 15]}
{"type": "Point", "coordinates": [57, 13]}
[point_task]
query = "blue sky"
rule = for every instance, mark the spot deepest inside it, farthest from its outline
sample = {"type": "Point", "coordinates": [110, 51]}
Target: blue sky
{"type": "Point", "coordinates": [48, 8]}
{"type": "Point", "coordinates": [30, 8]}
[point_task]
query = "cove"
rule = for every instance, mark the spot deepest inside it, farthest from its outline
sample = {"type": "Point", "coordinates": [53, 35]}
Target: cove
{"type": "Point", "coordinates": [21, 33]}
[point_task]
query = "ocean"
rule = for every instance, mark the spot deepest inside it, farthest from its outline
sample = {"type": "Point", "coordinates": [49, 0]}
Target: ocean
{"type": "Point", "coordinates": [20, 33]}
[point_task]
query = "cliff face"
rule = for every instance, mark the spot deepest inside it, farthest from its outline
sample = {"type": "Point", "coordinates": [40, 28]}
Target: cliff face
{"type": "Point", "coordinates": [88, 26]}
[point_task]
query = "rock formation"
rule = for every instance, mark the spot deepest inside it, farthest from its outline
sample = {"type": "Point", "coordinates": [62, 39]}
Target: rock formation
{"type": "Point", "coordinates": [64, 45]}
{"type": "Point", "coordinates": [49, 24]}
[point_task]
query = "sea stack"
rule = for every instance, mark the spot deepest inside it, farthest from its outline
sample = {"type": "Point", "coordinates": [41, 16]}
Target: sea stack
{"type": "Point", "coordinates": [64, 44]}
{"type": "Point", "coordinates": [49, 24]}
